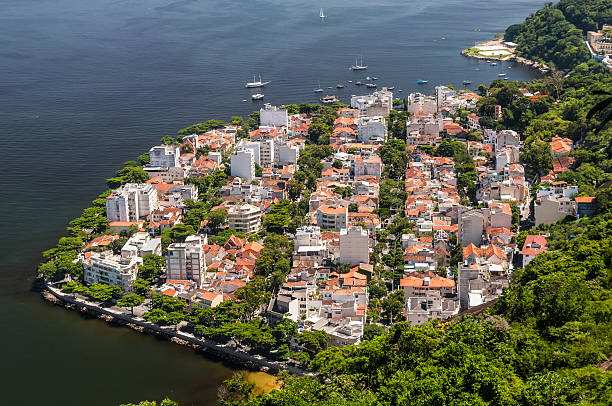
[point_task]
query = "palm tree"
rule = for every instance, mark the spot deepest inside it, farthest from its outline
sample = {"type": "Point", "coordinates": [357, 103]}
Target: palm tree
{"type": "Point", "coordinates": [601, 106]}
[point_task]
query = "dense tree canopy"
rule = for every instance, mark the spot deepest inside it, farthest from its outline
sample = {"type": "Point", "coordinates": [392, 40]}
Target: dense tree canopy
{"type": "Point", "coordinates": [547, 35]}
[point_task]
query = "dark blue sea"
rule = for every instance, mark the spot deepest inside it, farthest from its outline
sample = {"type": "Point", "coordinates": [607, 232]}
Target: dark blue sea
{"type": "Point", "coordinates": [86, 85]}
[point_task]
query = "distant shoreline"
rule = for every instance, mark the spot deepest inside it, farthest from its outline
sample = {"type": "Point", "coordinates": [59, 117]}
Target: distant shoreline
{"type": "Point", "coordinates": [509, 55]}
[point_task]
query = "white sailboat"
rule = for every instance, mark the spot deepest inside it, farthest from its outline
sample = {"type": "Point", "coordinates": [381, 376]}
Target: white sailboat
{"type": "Point", "coordinates": [255, 83]}
{"type": "Point", "coordinates": [359, 66]}
{"type": "Point", "coordinates": [321, 14]}
{"type": "Point", "coordinates": [318, 89]}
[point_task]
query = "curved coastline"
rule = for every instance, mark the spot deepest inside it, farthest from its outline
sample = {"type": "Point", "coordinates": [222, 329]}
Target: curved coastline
{"type": "Point", "coordinates": [542, 68]}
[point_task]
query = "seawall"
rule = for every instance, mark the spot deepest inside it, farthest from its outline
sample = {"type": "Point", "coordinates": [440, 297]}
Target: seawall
{"type": "Point", "coordinates": [241, 359]}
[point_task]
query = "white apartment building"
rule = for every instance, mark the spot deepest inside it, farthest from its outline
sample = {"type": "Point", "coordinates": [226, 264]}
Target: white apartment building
{"type": "Point", "coordinates": [549, 209]}
{"type": "Point", "coordinates": [471, 226]}
{"type": "Point", "coordinates": [255, 147]}
{"type": "Point", "coordinates": [164, 156]}
{"type": "Point", "coordinates": [185, 261]}
{"type": "Point", "coordinates": [307, 236]}
{"type": "Point", "coordinates": [370, 165]}
{"type": "Point", "coordinates": [506, 138]}
{"type": "Point", "coordinates": [103, 267]}
{"type": "Point", "coordinates": [334, 217]}
{"type": "Point", "coordinates": [131, 202]}
{"type": "Point", "coordinates": [139, 245]}
{"type": "Point", "coordinates": [273, 116]}
{"type": "Point", "coordinates": [372, 129]}
{"type": "Point", "coordinates": [168, 174]}
{"type": "Point", "coordinates": [379, 103]}
{"type": "Point", "coordinates": [443, 93]}
{"type": "Point", "coordinates": [354, 246]}
{"type": "Point", "coordinates": [427, 125]}
{"type": "Point", "coordinates": [288, 153]}
{"type": "Point", "coordinates": [418, 103]}
{"type": "Point", "coordinates": [245, 218]}
{"type": "Point", "coordinates": [243, 164]}
{"type": "Point", "coordinates": [267, 150]}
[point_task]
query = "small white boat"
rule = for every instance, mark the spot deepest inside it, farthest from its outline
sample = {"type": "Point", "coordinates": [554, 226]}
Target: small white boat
{"type": "Point", "coordinates": [493, 63]}
{"type": "Point", "coordinates": [244, 100]}
{"type": "Point", "coordinates": [339, 85]}
{"type": "Point", "coordinates": [321, 14]}
{"type": "Point", "coordinates": [467, 82]}
{"type": "Point", "coordinates": [350, 81]}
{"type": "Point", "coordinates": [255, 83]}
{"type": "Point", "coordinates": [359, 66]}
{"type": "Point", "coordinates": [501, 74]}
{"type": "Point", "coordinates": [257, 96]}
{"type": "Point", "coordinates": [329, 99]}
{"type": "Point", "coordinates": [318, 89]}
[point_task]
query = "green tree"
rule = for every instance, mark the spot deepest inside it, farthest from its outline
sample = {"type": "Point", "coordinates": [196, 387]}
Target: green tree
{"type": "Point", "coordinates": [314, 341]}
{"type": "Point", "coordinates": [536, 157]}
{"type": "Point", "coordinates": [103, 293]}
{"type": "Point", "coordinates": [131, 300]}
{"type": "Point", "coordinates": [216, 219]}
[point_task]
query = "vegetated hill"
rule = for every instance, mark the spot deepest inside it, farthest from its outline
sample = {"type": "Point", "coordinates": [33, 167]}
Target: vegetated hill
{"type": "Point", "coordinates": [588, 15]}
{"type": "Point", "coordinates": [548, 36]}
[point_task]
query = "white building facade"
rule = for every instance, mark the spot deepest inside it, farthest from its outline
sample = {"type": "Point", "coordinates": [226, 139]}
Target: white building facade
{"type": "Point", "coordinates": [132, 202]}
{"type": "Point", "coordinates": [354, 246]}
{"type": "Point", "coordinates": [243, 164]}
{"type": "Point", "coordinates": [245, 218]}
{"type": "Point", "coordinates": [185, 261]}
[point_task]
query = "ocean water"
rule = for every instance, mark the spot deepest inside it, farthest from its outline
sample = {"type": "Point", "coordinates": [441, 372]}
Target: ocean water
{"type": "Point", "coordinates": [86, 85]}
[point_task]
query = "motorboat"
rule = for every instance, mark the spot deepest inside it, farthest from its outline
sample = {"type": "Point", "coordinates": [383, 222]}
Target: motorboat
{"type": "Point", "coordinates": [467, 82]}
{"type": "Point", "coordinates": [257, 96]}
{"type": "Point", "coordinates": [501, 74]}
{"type": "Point", "coordinates": [339, 85]}
{"type": "Point", "coordinates": [374, 78]}
{"type": "Point", "coordinates": [493, 63]}
{"type": "Point", "coordinates": [329, 99]}
{"type": "Point", "coordinates": [359, 66]}
{"type": "Point", "coordinates": [391, 88]}
{"type": "Point", "coordinates": [371, 85]}
{"type": "Point", "coordinates": [358, 83]}
{"type": "Point", "coordinates": [421, 81]}
{"type": "Point", "coordinates": [350, 81]}
{"type": "Point", "coordinates": [256, 83]}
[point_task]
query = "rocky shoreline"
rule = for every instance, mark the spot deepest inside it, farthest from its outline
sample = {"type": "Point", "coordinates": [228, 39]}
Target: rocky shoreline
{"type": "Point", "coordinates": [217, 352]}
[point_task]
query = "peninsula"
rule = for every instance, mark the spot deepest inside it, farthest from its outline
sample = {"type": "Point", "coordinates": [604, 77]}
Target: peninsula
{"type": "Point", "coordinates": [451, 247]}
